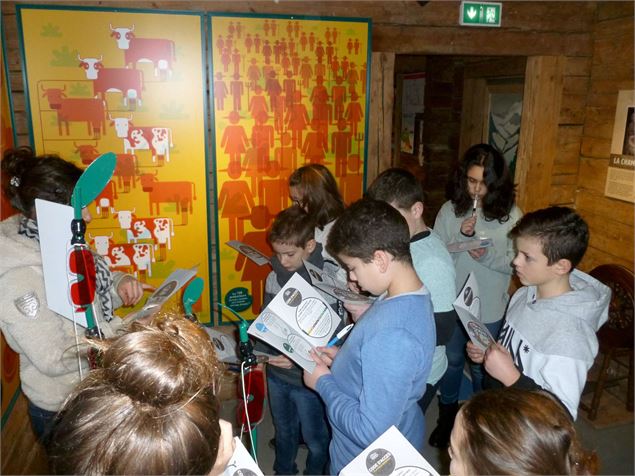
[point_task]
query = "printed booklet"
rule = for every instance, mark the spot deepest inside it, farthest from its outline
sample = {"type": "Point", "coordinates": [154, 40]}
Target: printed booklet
{"type": "Point", "coordinates": [249, 251]}
{"type": "Point", "coordinates": [468, 307]}
{"type": "Point", "coordinates": [391, 453]}
{"type": "Point", "coordinates": [297, 320]}
{"type": "Point", "coordinates": [329, 283]}
{"type": "Point", "coordinates": [241, 462]}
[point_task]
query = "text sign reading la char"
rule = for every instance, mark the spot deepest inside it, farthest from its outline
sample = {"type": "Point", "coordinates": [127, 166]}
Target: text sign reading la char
{"type": "Point", "coordinates": [481, 14]}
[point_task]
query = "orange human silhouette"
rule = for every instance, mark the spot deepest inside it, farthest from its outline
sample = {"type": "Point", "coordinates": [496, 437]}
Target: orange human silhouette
{"type": "Point", "coordinates": [265, 27]}
{"type": "Point", "coordinates": [274, 28]}
{"type": "Point", "coordinates": [295, 63]}
{"type": "Point", "coordinates": [311, 41]}
{"type": "Point", "coordinates": [335, 66]}
{"type": "Point", "coordinates": [277, 51]}
{"type": "Point", "coordinates": [349, 46]}
{"type": "Point", "coordinates": [315, 146]}
{"type": "Point", "coordinates": [352, 77]}
{"type": "Point", "coordinates": [289, 87]}
{"type": "Point", "coordinates": [234, 139]}
{"type": "Point", "coordinates": [334, 35]}
{"type": "Point", "coordinates": [341, 146]}
{"type": "Point", "coordinates": [303, 41]}
{"type": "Point", "coordinates": [273, 88]}
{"type": "Point", "coordinates": [338, 96]}
{"type": "Point", "coordinates": [327, 34]}
{"type": "Point", "coordinates": [306, 72]}
{"type": "Point", "coordinates": [271, 190]}
{"type": "Point", "coordinates": [320, 69]}
{"type": "Point", "coordinates": [236, 58]}
{"type": "Point", "coordinates": [257, 43]}
{"type": "Point", "coordinates": [287, 157]}
{"type": "Point", "coordinates": [257, 103]}
{"type": "Point", "coordinates": [319, 52]}
{"type": "Point", "coordinates": [285, 62]}
{"type": "Point", "coordinates": [229, 42]}
{"type": "Point", "coordinates": [239, 29]}
{"type": "Point", "coordinates": [253, 73]}
{"type": "Point", "coordinates": [289, 28]}
{"type": "Point", "coordinates": [356, 46]}
{"type": "Point", "coordinates": [231, 29]}
{"type": "Point", "coordinates": [220, 43]}
{"type": "Point", "coordinates": [262, 140]}
{"type": "Point", "coordinates": [330, 50]}
{"type": "Point", "coordinates": [279, 113]}
{"type": "Point", "coordinates": [225, 59]}
{"type": "Point", "coordinates": [267, 51]}
{"type": "Point", "coordinates": [351, 184]}
{"type": "Point", "coordinates": [237, 90]}
{"type": "Point", "coordinates": [249, 42]}
{"type": "Point", "coordinates": [235, 201]}
{"type": "Point", "coordinates": [250, 167]}
{"type": "Point", "coordinates": [220, 91]}
{"type": "Point", "coordinates": [260, 219]}
{"type": "Point", "coordinates": [344, 65]}
{"type": "Point", "coordinates": [354, 113]}
{"type": "Point", "coordinates": [296, 28]}
{"type": "Point", "coordinates": [297, 119]}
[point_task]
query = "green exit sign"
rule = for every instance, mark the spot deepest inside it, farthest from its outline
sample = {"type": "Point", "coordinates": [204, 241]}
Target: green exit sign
{"type": "Point", "coordinates": [481, 14]}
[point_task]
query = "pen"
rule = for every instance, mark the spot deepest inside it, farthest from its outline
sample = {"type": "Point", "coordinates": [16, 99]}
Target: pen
{"type": "Point", "coordinates": [474, 205]}
{"type": "Point", "coordinates": [340, 335]}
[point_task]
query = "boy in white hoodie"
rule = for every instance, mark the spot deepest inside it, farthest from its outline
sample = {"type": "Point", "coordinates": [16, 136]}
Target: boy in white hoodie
{"type": "Point", "coordinates": [548, 339]}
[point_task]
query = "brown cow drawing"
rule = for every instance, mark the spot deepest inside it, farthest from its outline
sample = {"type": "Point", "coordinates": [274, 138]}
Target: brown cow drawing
{"type": "Point", "coordinates": [89, 110]}
{"type": "Point", "coordinates": [181, 193]}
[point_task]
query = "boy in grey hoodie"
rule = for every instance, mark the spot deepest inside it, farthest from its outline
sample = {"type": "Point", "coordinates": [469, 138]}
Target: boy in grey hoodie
{"type": "Point", "coordinates": [548, 339]}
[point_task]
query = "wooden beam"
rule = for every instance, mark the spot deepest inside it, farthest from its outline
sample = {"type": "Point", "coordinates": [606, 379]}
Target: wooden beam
{"type": "Point", "coordinates": [474, 113]}
{"type": "Point", "coordinates": [539, 130]}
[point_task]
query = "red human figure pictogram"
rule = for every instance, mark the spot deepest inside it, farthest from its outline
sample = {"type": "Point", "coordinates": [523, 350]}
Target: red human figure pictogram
{"type": "Point", "coordinates": [356, 46]}
{"type": "Point", "coordinates": [354, 113]}
{"type": "Point", "coordinates": [321, 109]}
{"type": "Point", "coordinates": [265, 27]}
{"type": "Point", "coordinates": [306, 72]}
{"type": "Point", "coordinates": [290, 28]}
{"type": "Point", "coordinates": [295, 64]}
{"type": "Point", "coordinates": [220, 91]}
{"type": "Point", "coordinates": [287, 156]}
{"type": "Point", "coordinates": [231, 29]}
{"type": "Point", "coordinates": [229, 42]}
{"type": "Point", "coordinates": [338, 96]}
{"type": "Point", "coordinates": [344, 64]}
{"type": "Point", "coordinates": [225, 59]}
{"type": "Point", "coordinates": [351, 184]}
{"type": "Point", "coordinates": [330, 50]}
{"type": "Point", "coordinates": [341, 146]}
{"type": "Point", "coordinates": [296, 28]}
{"type": "Point", "coordinates": [285, 62]}
{"type": "Point", "coordinates": [349, 46]}
{"type": "Point", "coordinates": [303, 41]}
{"type": "Point", "coordinates": [236, 58]}
{"type": "Point", "coordinates": [250, 167]}
{"type": "Point", "coordinates": [291, 47]}
{"type": "Point", "coordinates": [239, 29]}
{"type": "Point", "coordinates": [335, 66]}
{"type": "Point", "coordinates": [262, 141]}
{"type": "Point", "coordinates": [320, 69]}
{"type": "Point", "coordinates": [277, 51]}
{"type": "Point", "coordinates": [257, 103]}
{"type": "Point", "coordinates": [273, 88]}
{"type": "Point", "coordinates": [289, 87]}
{"type": "Point", "coordinates": [235, 201]}
{"type": "Point", "coordinates": [266, 52]}
{"type": "Point", "coordinates": [297, 119]}
{"type": "Point", "coordinates": [220, 44]}
{"type": "Point", "coordinates": [249, 42]}
{"type": "Point", "coordinates": [257, 43]}
{"type": "Point", "coordinates": [314, 147]}
{"type": "Point", "coordinates": [237, 90]}
{"type": "Point", "coordinates": [283, 47]}
{"type": "Point", "coordinates": [319, 52]}
{"type": "Point", "coordinates": [352, 77]}
{"type": "Point", "coordinates": [311, 41]}
{"type": "Point", "coordinates": [334, 35]}
{"type": "Point", "coordinates": [279, 113]}
{"type": "Point", "coordinates": [271, 190]}
{"type": "Point", "coordinates": [234, 139]}
{"type": "Point", "coordinates": [274, 28]}
{"type": "Point", "coordinates": [253, 73]}
{"type": "Point", "coordinates": [327, 34]}
{"type": "Point", "coordinates": [260, 219]}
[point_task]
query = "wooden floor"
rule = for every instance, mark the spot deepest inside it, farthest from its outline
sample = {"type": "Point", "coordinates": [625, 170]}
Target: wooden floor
{"type": "Point", "coordinates": [21, 454]}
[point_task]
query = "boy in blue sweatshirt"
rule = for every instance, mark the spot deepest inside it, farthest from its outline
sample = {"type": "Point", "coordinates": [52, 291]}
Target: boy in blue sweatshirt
{"type": "Point", "coordinates": [378, 375]}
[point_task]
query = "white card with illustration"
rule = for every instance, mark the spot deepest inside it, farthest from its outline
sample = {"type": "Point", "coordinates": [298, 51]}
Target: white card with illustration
{"type": "Point", "coordinates": [250, 252]}
{"type": "Point", "coordinates": [332, 286]}
{"type": "Point", "coordinates": [468, 307]}
{"type": "Point", "coordinates": [297, 320]}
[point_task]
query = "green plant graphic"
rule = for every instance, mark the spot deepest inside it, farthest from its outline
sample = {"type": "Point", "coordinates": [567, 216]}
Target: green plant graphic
{"type": "Point", "coordinates": [51, 31]}
{"type": "Point", "coordinates": [64, 57]}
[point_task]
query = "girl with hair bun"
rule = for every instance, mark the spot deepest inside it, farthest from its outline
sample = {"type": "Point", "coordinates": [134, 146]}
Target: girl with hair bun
{"type": "Point", "coordinates": [151, 407]}
{"type": "Point", "coordinates": [43, 339]}
{"type": "Point", "coordinates": [517, 432]}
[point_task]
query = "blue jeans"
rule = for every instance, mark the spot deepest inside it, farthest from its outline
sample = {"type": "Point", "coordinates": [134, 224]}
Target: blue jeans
{"type": "Point", "coordinates": [455, 350]}
{"type": "Point", "coordinates": [296, 409]}
{"type": "Point", "coordinates": [41, 421]}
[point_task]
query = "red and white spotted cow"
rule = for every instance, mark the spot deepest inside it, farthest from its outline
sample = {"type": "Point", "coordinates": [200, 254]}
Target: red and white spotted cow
{"type": "Point", "coordinates": [102, 244]}
{"type": "Point", "coordinates": [158, 51]}
{"type": "Point", "coordinates": [87, 153]}
{"type": "Point", "coordinates": [105, 201]}
{"type": "Point", "coordinates": [125, 218]}
{"type": "Point", "coordinates": [163, 232]}
{"type": "Point", "coordinates": [128, 82]}
{"type": "Point", "coordinates": [136, 258]}
{"type": "Point", "coordinates": [158, 140]}
{"type": "Point", "coordinates": [92, 111]}
{"type": "Point", "coordinates": [180, 193]}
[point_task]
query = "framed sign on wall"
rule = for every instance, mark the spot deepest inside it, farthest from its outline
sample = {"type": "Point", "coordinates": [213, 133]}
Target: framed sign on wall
{"type": "Point", "coordinates": [130, 82]}
{"type": "Point", "coordinates": [286, 91]}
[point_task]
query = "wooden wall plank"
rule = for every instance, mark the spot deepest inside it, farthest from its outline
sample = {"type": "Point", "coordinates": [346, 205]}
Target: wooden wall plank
{"type": "Point", "coordinates": [591, 201]}
{"type": "Point", "coordinates": [593, 174]}
{"type": "Point", "coordinates": [562, 194]}
{"type": "Point", "coordinates": [597, 148]}
{"type": "Point", "coordinates": [472, 114]}
{"type": "Point", "coordinates": [595, 257]}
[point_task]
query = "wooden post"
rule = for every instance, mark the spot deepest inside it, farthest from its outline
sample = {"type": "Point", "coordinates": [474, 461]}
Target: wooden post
{"type": "Point", "coordinates": [379, 131]}
{"type": "Point", "coordinates": [539, 130]}
{"type": "Point", "coordinates": [473, 113]}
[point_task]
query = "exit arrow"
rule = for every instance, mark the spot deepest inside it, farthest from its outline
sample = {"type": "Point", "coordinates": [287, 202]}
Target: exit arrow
{"type": "Point", "coordinates": [471, 13]}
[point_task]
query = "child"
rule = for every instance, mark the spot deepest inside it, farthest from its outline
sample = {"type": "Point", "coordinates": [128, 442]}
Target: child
{"type": "Point", "coordinates": [548, 340]}
{"type": "Point", "coordinates": [294, 408]}
{"type": "Point", "coordinates": [380, 372]}
{"type": "Point", "coordinates": [431, 260]}
{"type": "Point", "coordinates": [511, 431]}
{"type": "Point", "coordinates": [151, 407]}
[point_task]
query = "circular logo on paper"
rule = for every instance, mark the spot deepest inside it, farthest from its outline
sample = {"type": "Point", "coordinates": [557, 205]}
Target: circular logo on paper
{"type": "Point", "coordinates": [313, 317]}
{"type": "Point", "coordinates": [468, 296]}
{"type": "Point", "coordinates": [411, 471]}
{"type": "Point", "coordinates": [292, 297]}
{"type": "Point", "coordinates": [477, 333]}
{"type": "Point", "coordinates": [380, 462]}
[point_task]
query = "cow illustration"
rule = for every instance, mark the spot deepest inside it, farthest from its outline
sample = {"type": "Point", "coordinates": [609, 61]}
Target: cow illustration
{"type": "Point", "coordinates": [126, 170]}
{"type": "Point", "coordinates": [105, 201]}
{"type": "Point", "coordinates": [92, 111]}
{"type": "Point", "coordinates": [181, 193]}
{"type": "Point", "coordinates": [163, 232]}
{"type": "Point", "coordinates": [102, 244]}
{"type": "Point", "coordinates": [87, 152]}
{"type": "Point", "coordinates": [158, 51]}
{"type": "Point", "coordinates": [158, 140]}
{"type": "Point", "coordinates": [125, 218]}
{"type": "Point", "coordinates": [134, 258]}
{"type": "Point", "coordinates": [128, 82]}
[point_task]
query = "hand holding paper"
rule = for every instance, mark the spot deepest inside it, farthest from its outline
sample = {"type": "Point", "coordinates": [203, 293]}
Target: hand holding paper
{"type": "Point", "coordinates": [321, 369]}
{"type": "Point", "coordinates": [499, 364]}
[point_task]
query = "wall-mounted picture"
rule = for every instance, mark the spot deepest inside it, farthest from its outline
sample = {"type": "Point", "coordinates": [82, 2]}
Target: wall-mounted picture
{"type": "Point", "coordinates": [620, 177]}
{"type": "Point", "coordinates": [503, 121]}
{"type": "Point", "coordinates": [286, 91]}
{"type": "Point", "coordinates": [130, 82]}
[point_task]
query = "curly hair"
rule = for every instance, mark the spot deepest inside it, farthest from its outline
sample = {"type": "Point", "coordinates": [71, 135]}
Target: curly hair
{"type": "Point", "coordinates": [501, 193]}
{"type": "Point", "coordinates": [149, 408]}
{"type": "Point", "coordinates": [319, 193]}
{"type": "Point", "coordinates": [26, 177]}
{"type": "Point", "coordinates": [513, 431]}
